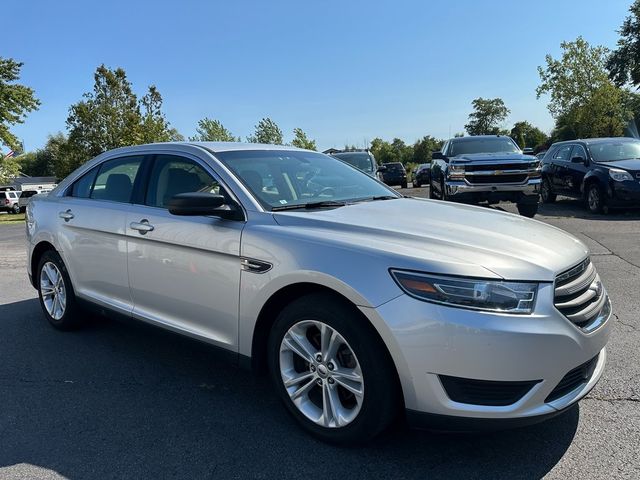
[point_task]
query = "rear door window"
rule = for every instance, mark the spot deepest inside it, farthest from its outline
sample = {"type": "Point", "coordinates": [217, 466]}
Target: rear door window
{"type": "Point", "coordinates": [116, 178]}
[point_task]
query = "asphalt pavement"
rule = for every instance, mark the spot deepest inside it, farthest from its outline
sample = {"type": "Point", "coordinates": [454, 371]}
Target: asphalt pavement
{"type": "Point", "coordinates": [125, 400]}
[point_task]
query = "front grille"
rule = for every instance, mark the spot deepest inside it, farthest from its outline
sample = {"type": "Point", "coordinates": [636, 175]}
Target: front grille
{"type": "Point", "coordinates": [579, 294]}
{"type": "Point", "coordinates": [485, 392]}
{"type": "Point", "coordinates": [505, 167]}
{"type": "Point", "coordinates": [575, 378]}
{"type": "Point", "coordinates": [482, 179]}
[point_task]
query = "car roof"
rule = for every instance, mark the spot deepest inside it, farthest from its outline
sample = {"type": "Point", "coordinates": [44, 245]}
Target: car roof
{"type": "Point", "coordinates": [216, 147]}
{"type": "Point", "coordinates": [595, 141]}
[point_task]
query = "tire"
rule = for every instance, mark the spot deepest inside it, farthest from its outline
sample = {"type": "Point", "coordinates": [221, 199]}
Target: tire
{"type": "Point", "coordinates": [416, 184]}
{"type": "Point", "coordinates": [15, 209]}
{"type": "Point", "coordinates": [66, 316]}
{"type": "Point", "coordinates": [527, 209]}
{"type": "Point", "coordinates": [443, 192]}
{"type": "Point", "coordinates": [431, 194]}
{"type": "Point", "coordinates": [403, 185]}
{"type": "Point", "coordinates": [595, 199]}
{"type": "Point", "coordinates": [546, 193]}
{"type": "Point", "coordinates": [357, 351]}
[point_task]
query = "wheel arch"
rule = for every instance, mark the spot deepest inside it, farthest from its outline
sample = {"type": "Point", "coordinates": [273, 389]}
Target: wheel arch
{"type": "Point", "coordinates": [284, 296]}
{"type": "Point", "coordinates": [36, 255]}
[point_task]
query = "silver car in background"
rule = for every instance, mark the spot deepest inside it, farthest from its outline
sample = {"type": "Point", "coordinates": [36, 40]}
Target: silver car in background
{"type": "Point", "coordinates": [360, 303]}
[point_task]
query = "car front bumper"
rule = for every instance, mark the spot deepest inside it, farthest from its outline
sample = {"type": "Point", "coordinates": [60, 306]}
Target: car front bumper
{"type": "Point", "coordinates": [622, 194]}
{"type": "Point", "coordinates": [461, 190]}
{"type": "Point", "coordinates": [429, 341]}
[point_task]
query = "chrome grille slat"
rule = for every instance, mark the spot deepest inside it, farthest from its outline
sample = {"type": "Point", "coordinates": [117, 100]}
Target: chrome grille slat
{"type": "Point", "coordinates": [579, 295]}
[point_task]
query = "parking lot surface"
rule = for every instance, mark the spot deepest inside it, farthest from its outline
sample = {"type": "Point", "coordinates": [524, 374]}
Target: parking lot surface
{"type": "Point", "coordinates": [125, 400]}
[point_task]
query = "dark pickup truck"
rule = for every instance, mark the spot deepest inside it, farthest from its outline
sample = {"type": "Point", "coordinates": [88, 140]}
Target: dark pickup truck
{"type": "Point", "coordinates": [486, 168]}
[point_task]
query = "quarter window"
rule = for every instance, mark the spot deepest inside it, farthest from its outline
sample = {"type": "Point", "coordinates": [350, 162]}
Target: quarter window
{"type": "Point", "coordinates": [116, 178]}
{"type": "Point", "coordinates": [172, 175]}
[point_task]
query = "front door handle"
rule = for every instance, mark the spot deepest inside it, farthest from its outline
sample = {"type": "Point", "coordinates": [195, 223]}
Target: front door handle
{"type": "Point", "coordinates": [66, 216]}
{"type": "Point", "coordinates": [142, 226]}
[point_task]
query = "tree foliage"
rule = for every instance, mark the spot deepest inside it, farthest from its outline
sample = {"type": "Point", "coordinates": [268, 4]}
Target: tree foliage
{"type": "Point", "coordinates": [487, 116]}
{"type": "Point", "coordinates": [210, 130]}
{"type": "Point", "coordinates": [15, 100]}
{"type": "Point", "coordinates": [266, 131]}
{"type": "Point", "coordinates": [9, 168]}
{"type": "Point", "coordinates": [527, 136]}
{"type": "Point", "coordinates": [423, 148]}
{"type": "Point", "coordinates": [583, 100]}
{"type": "Point", "coordinates": [111, 116]}
{"type": "Point", "coordinates": [624, 62]}
{"type": "Point", "coordinates": [301, 140]}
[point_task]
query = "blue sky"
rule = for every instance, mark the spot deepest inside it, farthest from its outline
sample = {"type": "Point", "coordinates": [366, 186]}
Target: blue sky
{"type": "Point", "coordinates": [344, 71]}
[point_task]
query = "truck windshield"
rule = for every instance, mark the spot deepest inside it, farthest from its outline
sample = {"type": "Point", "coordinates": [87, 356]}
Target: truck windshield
{"type": "Point", "coordinates": [361, 161]}
{"type": "Point", "coordinates": [483, 145]}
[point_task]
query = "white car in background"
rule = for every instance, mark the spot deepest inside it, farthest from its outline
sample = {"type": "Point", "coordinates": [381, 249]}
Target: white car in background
{"type": "Point", "coordinates": [361, 304]}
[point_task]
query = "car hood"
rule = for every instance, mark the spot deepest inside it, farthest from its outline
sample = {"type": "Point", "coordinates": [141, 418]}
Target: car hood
{"type": "Point", "coordinates": [443, 237]}
{"type": "Point", "coordinates": [493, 157]}
{"type": "Point", "coordinates": [632, 164]}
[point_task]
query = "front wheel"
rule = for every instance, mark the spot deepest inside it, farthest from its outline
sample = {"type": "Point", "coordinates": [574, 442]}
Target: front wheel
{"type": "Point", "coordinates": [527, 209]}
{"type": "Point", "coordinates": [595, 199]}
{"type": "Point", "coordinates": [331, 371]}
{"type": "Point", "coordinates": [15, 209]}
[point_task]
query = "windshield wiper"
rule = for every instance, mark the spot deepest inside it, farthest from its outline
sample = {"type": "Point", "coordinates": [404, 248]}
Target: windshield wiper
{"type": "Point", "coordinates": [377, 197]}
{"type": "Point", "coordinates": [310, 205]}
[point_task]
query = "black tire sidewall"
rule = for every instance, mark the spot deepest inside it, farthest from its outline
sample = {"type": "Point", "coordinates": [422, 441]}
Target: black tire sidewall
{"type": "Point", "coordinates": [69, 319]}
{"type": "Point", "coordinates": [600, 207]}
{"type": "Point", "coordinates": [528, 210]}
{"type": "Point", "coordinates": [380, 390]}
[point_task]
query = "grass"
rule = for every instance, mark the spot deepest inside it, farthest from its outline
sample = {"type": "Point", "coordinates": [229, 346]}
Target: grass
{"type": "Point", "coordinates": [6, 219]}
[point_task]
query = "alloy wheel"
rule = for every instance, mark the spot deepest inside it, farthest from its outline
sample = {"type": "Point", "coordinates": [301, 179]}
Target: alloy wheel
{"type": "Point", "coordinates": [52, 288]}
{"type": "Point", "coordinates": [321, 374]}
{"type": "Point", "coordinates": [593, 199]}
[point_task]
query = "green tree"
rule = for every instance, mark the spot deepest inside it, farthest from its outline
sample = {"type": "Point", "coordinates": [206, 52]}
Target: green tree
{"type": "Point", "coordinates": [583, 100]}
{"type": "Point", "coordinates": [15, 101]}
{"type": "Point", "coordinates": [624, 62]}
{"type": "Point", "coordinates": [266, 131]}
{"type": "Point", "coordinates": [9, 168]}
{"type": "Point", "coordinates": [210, 130]}
{"type": "Point", "coordinates": [528, 136]}
{"type": "Point", "coordinates": [154, 127]}
{"type": "Point", "coordinates": [487, 116]}
{"type": "Point", "coordinates": [301, 140]}
{"type": "Point", "coordinates": [423, 148]}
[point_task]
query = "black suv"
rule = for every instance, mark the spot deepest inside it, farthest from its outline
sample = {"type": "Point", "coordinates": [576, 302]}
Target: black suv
{"type": "Point", "coordinates": [422, 175]}
{"type": "Point", "coordinates": [604, 172]}
{"type": "Point", "coordinates": [394, 173]}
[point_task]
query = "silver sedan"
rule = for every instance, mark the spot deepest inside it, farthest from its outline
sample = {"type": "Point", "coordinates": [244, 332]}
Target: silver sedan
{"type": "Point", "coordinates": [362, 304]}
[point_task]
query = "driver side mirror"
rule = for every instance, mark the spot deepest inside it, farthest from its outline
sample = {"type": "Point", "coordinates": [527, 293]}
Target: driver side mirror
{"type": "Point", "coordinates": [437, 155]}
{"type": "Point", "coordinates": [381, 169]}
{"type": "Point", "coordinates": [203, 204]}
{"type": "Point", "coordinates": [579, 160]}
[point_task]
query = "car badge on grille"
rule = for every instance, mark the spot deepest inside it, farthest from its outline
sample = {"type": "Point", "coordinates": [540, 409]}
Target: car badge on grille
{"type": "Point", "coordinates": [499, 172]}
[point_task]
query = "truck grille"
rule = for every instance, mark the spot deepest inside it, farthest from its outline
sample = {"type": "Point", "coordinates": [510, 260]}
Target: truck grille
{"type": "Point", "coordinates": [483, 179]}
{"type": "Point", "coordinates": [580, 296]}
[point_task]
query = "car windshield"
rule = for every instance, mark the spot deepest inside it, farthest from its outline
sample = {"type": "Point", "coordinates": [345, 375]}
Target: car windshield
{"type": "Point", "coordinates": [394, 167]}
{"type": "Point", "coordinates": [615, 150]}
{"type": "Point", "coordinates": [483, 145]}
{"type": "Point", "coordinates": [288, 179]}
{"type": "Point", "coordinates": [362, 161]}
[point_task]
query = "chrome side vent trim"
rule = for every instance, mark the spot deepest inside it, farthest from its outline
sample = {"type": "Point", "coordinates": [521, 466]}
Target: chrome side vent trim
{"type": "Point", "coordinates": [255, 266]}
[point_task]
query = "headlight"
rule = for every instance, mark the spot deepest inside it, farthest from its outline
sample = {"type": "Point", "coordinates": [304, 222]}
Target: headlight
{"type": "Point", "coordinates": [619, 175]}
{"type": "Point", "coordinates": [456, 171]}
{"type": "Point", "coordinates": [477, 294]}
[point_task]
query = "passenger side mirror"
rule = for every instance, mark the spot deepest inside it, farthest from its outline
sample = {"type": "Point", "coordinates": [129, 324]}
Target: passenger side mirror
{"type": "Point", "coordinates": [437, 155]}
{"type": "Point", "coordinates": [578, 160]}
{"type": "Point", "coordinates": [203, 204]}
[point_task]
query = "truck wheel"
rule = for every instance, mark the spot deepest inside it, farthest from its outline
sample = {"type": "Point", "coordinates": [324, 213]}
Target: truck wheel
{"type": "Point", "coordinates": [527, 209]}
{"type": "Point", "coordinates": [15, 209]}
{"type": "Point", "coordinates": [546, 193]}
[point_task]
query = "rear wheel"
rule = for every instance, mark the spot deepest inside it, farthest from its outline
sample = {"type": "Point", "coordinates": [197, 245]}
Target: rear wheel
{"type": "Point", "coordinates": [595, 199]}
{"type": "Point", "coordinates": [15, 209]}
{"type": "Point", "coordinates": [546, 193]}
{"type": "Point", "coordinates": [527, 209]}
{"type": "Point", "coordinates": [330, 370]}
{"type": "Point", "coordinates": [57, 298]}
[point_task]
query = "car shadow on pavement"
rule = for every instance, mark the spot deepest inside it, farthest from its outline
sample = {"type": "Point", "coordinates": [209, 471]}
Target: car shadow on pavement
{"type": "Point", "coordinates": [123, 399]}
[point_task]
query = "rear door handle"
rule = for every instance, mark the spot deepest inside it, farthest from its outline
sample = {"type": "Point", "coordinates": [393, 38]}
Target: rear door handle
{"type": "Point", "coordinates": [142, 226]}
{"type": "Point", "coordinates": [66, 216]}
